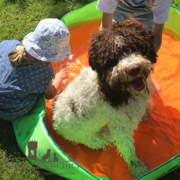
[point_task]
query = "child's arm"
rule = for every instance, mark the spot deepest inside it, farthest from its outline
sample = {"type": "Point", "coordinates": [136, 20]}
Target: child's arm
{"type": "Point", "coordinates": [107, 7]}
{"type": "Point", "coordinates": [53, 87]}
{"type": "Point", "coordinates": [157, 32]}
{"type": "Point", "coordinates": [106, 21]}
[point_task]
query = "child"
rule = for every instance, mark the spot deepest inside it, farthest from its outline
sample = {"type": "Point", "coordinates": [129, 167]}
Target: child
{"type": "Point", "coordinates": [152, 13]}
{"type": "Point", "coordinates": [27, 72]}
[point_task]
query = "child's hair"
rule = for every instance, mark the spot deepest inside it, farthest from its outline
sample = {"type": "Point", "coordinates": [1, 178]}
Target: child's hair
{"type": "Point", "coordinates": [17, 57]}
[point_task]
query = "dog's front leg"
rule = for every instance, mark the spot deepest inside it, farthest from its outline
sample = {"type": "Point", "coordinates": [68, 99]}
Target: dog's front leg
{"type": "Point", "coordinates": [125, 146]}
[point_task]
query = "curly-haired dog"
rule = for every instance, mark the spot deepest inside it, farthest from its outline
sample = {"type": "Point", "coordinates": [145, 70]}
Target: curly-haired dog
{"type": "Point", "coordinates": [106, 102]}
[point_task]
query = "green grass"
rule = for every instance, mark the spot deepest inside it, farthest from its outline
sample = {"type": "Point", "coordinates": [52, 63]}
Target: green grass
{"type": "Point", "coordinates": [17, 18]}
{"type": "Point", "coordinates": [176, 3]}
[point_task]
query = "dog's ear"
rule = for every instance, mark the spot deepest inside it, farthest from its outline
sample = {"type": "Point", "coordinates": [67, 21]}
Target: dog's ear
{"type": "Point", "coordinates": [92, 63]}
{"type": "Point", "coordinates": [97, 49]}
{"type": "Point", "coordinates": [104, 50]}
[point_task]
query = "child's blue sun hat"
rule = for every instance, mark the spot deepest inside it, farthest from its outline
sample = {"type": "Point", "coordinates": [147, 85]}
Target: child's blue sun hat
{"type": "Point", "coordinates": [49, 42]}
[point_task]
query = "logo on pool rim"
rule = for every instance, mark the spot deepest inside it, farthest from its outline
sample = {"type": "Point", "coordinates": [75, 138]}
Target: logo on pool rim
{"type": "Point", "coordinates": [33, 145]}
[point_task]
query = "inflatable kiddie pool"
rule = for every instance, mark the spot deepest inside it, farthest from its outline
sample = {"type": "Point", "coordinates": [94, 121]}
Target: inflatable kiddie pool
{"type": "Point", "coordinates": [157, 140]}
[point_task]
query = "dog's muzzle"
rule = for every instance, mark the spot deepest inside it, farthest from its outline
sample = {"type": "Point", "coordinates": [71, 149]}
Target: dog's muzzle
{"type": "Point", "coordinates": [138, 84]}
{"type": "Point", "coordinates": [134, 70]}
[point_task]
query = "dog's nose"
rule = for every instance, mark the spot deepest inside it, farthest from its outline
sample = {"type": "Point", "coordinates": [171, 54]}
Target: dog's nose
{"type": "Point", "coordinates": [133, 70]}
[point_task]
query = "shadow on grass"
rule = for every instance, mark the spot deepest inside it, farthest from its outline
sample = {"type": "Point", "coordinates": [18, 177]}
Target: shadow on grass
{"type": "Point", "coordinates": [9, 146]}
{"type": "Point", "coordinates": [21, 3]}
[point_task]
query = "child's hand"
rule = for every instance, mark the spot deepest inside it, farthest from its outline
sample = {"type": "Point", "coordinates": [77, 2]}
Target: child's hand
{"type": "Point", "coordinates": [63, 74]}
{"type": "Point", "coordinates": [54, 86]}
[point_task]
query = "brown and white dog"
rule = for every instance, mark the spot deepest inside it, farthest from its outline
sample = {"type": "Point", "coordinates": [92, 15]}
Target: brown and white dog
{"type": "Point", "coordinates": [106, 102]}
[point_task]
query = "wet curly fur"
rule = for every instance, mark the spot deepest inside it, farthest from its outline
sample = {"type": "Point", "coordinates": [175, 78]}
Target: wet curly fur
{"type": "Point", "coordinates": [106, 102]}
{"type": "Point", "coordinates": [135, 39]}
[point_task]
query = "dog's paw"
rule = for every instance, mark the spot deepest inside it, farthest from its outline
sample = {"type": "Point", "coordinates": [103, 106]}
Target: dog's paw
{"type": "Point", "coordinates": [137, 168]}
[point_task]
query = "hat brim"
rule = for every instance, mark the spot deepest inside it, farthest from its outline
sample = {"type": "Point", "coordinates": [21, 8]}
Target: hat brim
{"type": "Point", "coordinates": [28, 44]}
{"type": "Point", "coordinates": [30, 47]}
{"type": "Point", "coordinates": [68, 53]}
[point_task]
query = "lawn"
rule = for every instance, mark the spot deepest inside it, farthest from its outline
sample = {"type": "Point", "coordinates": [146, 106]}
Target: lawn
{"type": "Point", "coordinates": [17, 18]}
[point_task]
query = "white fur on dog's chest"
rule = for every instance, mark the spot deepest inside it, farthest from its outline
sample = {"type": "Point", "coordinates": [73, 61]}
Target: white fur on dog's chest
{"type": "Point", "coordinates": [89, 106]}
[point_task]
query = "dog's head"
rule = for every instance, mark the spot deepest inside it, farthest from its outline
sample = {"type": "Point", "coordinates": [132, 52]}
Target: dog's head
{"type": "Point", "coordinates": [122, 56]}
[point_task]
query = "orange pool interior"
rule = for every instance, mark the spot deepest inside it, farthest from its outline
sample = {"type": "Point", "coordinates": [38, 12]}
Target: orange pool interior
{"type": "Point", "coordinates": [157, 139]}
